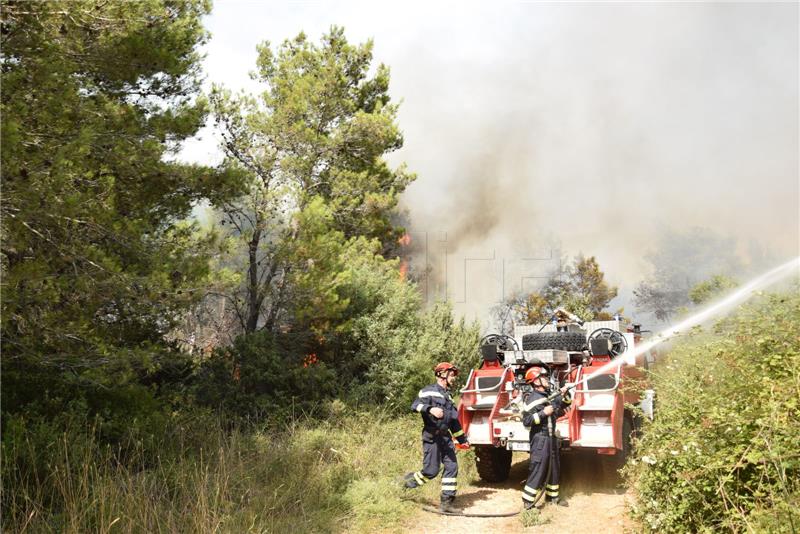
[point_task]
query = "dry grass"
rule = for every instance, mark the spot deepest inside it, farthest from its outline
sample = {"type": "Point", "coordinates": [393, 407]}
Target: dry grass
{"type": "Point", "coordinates": [326, 476]}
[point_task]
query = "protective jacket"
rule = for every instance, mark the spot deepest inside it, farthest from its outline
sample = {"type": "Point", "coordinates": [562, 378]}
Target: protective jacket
{"type": "Point", "coordinates": [435, 396]}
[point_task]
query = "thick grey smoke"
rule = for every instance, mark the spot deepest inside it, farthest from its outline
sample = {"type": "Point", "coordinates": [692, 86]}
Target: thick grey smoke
{"type": "Point", "coordinates": [601, 128]}
{"type": "Point", "coordinates": [597, 126]}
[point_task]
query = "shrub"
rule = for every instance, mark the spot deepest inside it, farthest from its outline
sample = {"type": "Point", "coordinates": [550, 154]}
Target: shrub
{"type": "Point", "coordinates": [265, 376]}
{"type": "Point", "coordinates": [403, 357]}
{"type": "Point", "coordinates": [722, 452]}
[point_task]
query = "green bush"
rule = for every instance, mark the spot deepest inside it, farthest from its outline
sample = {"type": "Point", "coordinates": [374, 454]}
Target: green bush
{"type": "Point", "coordinates": [264, 376]}
{"type": "Point", "coordinates": [722, 451]}
{"type": "Point", "coordinates": [403, 348]}
{"type": "Point", "coordinates": [711, 288]}
{"type": "Point", "coordinates": [387, 348]}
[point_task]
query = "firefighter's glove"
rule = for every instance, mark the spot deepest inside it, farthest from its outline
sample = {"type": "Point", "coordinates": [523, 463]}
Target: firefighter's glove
{"type": "Point", "coordinates": [548, 410]}
{"type": "Point", "coordinates": [463, 446]}
{"type": "Point", "coordinates": [438, 413]}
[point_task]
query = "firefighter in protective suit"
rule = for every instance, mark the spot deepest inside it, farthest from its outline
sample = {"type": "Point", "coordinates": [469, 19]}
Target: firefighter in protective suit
{"type": "Point", "coordinates": [440, 428]}
{"type": "Point", "coordinates": [539, 415]}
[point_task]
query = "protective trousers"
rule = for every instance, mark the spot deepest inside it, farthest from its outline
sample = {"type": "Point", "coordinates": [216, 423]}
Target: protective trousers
{"type": "Point", "coordinates": [435, 452]}
{"type": "Point", "coordinates": [541, 448]}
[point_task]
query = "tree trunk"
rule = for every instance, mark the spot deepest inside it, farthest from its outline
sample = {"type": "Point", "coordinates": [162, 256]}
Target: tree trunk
{"type": "Point", "coordinates": [254, 295]}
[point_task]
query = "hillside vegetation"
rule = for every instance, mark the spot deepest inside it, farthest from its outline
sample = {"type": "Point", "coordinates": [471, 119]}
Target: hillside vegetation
{"type": "Point", "coordinates": [155, 369]}
{"type": "Point", "coordinates": [722, 453]}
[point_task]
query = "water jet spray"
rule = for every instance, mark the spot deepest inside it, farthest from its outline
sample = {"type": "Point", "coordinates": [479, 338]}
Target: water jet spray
{"type": "Point", "coordinates": [735, 298]}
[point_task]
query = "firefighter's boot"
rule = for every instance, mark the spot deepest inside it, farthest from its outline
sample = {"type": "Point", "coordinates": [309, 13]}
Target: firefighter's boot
{"type": "Point", "coordinates": [408, 481]}
{"type": "Point", "coordinates": [448, 506]}
{"type": "Point", "coordinates": [558, 501]}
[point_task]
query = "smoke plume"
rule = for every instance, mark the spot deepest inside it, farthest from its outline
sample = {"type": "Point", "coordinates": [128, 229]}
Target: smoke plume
{"type": "Point", "coordinates": [542, 129]}
{"type": "Point", "coordinates": [597, 129]}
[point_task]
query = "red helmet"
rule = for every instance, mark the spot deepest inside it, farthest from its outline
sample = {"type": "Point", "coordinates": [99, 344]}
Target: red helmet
{"type": "Point", "coordinates": [445, 366]}
{"type": "Point", "coordinates": [535, 372]}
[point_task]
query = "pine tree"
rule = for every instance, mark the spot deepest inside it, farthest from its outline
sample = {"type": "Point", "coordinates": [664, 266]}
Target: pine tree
{"type": "Point", "coordinates": [97, 263]}
{"type": "Point", "coordinates": [318, 132]}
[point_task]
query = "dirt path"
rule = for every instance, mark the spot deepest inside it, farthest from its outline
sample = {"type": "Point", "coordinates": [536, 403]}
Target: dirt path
{"type": "Point", "coordinates": [596, 504]}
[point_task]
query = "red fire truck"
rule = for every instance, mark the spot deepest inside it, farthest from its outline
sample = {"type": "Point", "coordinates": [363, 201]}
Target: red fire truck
{"type": "Point", "coordinates": [601, 418]}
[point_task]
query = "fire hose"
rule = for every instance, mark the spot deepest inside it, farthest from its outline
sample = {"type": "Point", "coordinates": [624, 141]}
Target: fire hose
{"type": "Point", "coordinates": [540, 493]}
{"type": "Point", "coordinates": [433, 510]}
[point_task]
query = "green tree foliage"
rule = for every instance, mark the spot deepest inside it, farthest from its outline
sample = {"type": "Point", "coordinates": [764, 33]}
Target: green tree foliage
{"type": "Point", "coordinates": [97, 266]}
{"type": "Point", "coordinates": [319, 130]}
{"type": "Point", "coordinates": [266, 377]}
{"type": "Point", "coordinates": [721, 454]}
{"type": "Point", "coordinates": [316, 234]}
{"type": "Point", "coordinates": [579, 287]}
{"type": "Point", "coordinates": [358, 331]}
{"type": "Point", "coordinates": [317, 296]}
{"type": "Point", "coordinates": [337, 284]}
{"type": "Point", "coordinates": [680, 260]}
{"type": "Point", "coordinates": [713, 287]}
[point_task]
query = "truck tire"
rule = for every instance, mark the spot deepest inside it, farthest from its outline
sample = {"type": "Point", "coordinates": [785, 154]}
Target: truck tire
{"type": "Point", "coordinates": [493, 463]}
{"type": "Point", "coordinates": [570, 341]}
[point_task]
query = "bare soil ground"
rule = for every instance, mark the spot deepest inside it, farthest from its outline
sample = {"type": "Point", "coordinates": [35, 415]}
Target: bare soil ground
{"type": "Point", "coordinates": [596, 503]}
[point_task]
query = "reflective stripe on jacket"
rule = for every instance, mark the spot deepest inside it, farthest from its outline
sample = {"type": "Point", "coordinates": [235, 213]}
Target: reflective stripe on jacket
{"type": "Point", "coordinates": [435, 396]}
{"type": "Point", "coordinates": [533, 405]}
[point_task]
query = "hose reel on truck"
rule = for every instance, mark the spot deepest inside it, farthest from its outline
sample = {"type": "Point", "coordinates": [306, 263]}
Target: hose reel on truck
{"type": "Point", "coordinates": [598, 419]}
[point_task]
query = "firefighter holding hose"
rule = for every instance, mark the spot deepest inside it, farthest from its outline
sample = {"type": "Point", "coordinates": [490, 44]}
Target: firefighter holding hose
{"type": "Point", "coordinates": [539, 413]}
{"type": "Point", "coordinates": [440, 428]}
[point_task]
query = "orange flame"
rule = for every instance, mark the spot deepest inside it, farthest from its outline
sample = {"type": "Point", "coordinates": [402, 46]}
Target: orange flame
{"type": "Point", "coordinates": [403, 270]}
{"type": "Point", "coordinates": [404, 241]}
